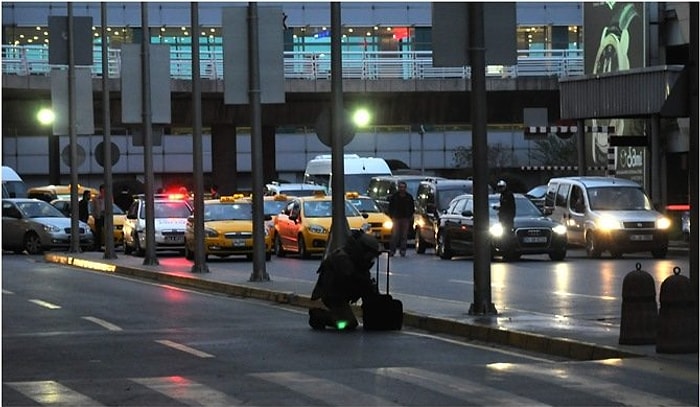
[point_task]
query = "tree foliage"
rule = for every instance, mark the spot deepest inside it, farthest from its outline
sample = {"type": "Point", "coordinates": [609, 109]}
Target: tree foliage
{"type": "Point", "coordinates": [555, 151]}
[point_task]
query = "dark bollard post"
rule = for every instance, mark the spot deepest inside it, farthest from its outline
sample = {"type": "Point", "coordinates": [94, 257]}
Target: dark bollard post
{"type": "Point", "coordinates": [678, 320]}
{"type": "Point", "coordinates": [638, 322]}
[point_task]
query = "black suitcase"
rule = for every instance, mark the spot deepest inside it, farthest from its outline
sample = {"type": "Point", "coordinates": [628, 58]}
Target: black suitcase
{"type": "Point", "coordinates": [382, 312]}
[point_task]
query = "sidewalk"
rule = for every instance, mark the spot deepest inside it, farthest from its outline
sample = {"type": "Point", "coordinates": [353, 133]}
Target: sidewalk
{"type": "Point", "coordinates": [557, 336]}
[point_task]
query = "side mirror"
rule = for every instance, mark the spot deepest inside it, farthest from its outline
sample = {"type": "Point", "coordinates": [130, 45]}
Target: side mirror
{"type": "Point", "coordinates": [467, 214]}
{"type": "Point", "coordinates": [547, 210]}
{"type": "Point", "coordinates": [365, 215]}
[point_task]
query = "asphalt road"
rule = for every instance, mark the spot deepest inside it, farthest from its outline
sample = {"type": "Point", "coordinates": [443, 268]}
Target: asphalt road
{"type": "Point", "coordinates": [74, 337]}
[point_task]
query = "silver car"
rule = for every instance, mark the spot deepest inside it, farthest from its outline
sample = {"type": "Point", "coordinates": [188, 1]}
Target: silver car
{"type": "Point", "coordinates": [33, 226]}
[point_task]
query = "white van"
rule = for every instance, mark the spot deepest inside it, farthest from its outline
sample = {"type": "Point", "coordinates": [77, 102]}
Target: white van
{"type": "Point", "coordinates": [12, 184]}
{"type": "Point", "coordinates": [358, 171]}
{"type": "Point", "coordinates": [605, 213]}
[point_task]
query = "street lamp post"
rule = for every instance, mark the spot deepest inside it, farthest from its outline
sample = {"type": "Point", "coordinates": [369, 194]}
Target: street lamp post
{"type": "Point", "coordinates": [46, 117]}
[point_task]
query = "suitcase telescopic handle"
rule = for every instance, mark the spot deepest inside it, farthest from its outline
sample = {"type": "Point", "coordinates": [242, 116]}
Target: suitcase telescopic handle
{"type": "Point", "coordinates": [387, 269]}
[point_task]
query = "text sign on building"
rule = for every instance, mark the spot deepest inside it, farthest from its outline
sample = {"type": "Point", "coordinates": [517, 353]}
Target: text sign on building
{"type": "Point", "coordinates": [82, 40]}
{"type": "Point", "coordinates": [451, 34]}
{"type": "Point", "coordinates": [84, 120]}
{"type": "Point", "coordinates": [271, 55]}
{"type": "Point", "coordinates": [132, 111]}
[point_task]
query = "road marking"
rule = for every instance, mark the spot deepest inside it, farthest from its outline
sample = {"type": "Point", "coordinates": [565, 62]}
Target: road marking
{"type": "Point", "coordinates": [455, 387]}
{"type": "Point", "coordinates": [600, 297]}
{"type": "Point", "coordinates": [51, 393]}
{"type": "Point", "coordinates": [184, 348]}
{"type": "Point", "coordinates": [45, 304]}
{"type": "Point", "coordinates": [187, 391]}
{"type": "Point", "coordinates": [489, 348]}
{"type": "Point", "coordinates": [7, 292]}
{"type": "Point", "coordinates": [103, 323]}
{"type": "Point", "coordinates": [327, 391]}
{"type": "Point", "coordinates": [562, 375]}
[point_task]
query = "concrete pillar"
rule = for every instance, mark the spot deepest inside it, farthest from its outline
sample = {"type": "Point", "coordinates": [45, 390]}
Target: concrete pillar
{"type": "Point", "coordinates": [223, 157]}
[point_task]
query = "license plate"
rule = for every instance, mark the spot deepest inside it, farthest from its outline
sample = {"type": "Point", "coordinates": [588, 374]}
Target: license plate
{"type": "Point", "coordinates": [535, 239]}
{"type": "Point", "coordinates": [238, 242]}
{"type": "Point", "coordinates": [174, 238]}
{"type": "Point", "coordinates": [641, 237]}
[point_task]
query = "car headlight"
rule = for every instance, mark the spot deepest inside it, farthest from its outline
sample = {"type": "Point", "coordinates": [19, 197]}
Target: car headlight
{"type": "Point", "coordinates": [388, 225]}
{"type": "Point", "coordinates": [663, 223]}
{"type": "Point", "coordinates": [366, 227]}
{"type": "Point", "coordinates": [496, 230]}
{"type": "Point", "coordinates": [609, 223]}
{"type": "Point", "coordinates": [559, 229]}
{"type": "Point", "coordinates": [317, 229]}
{"type": "Point", "coordinates": [209, 232]}
{"type": "Point", "coordinates": [51, 228]}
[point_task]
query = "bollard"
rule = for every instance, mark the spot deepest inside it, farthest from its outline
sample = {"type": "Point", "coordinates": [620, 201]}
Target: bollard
{"type": "Point", "coordinates": [678, 320]}
{"type": "Point", "coordinates": [638, 323]}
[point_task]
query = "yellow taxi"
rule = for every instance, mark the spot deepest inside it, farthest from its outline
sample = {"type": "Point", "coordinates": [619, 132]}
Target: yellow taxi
{"type": "Point", "coordinates": [228, 229]}
{"type": "Point", "coordinates": [49, 193]}
{"type": "Point", "coordinates": [304, 225]}
{"type": "Point", "coordinates": [63, 204]}
{"type": "Point", "coordinates": [379, 222]}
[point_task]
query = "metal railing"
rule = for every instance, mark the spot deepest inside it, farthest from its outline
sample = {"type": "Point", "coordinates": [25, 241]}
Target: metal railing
{"type": "Point", "coordinates": [371, 65]}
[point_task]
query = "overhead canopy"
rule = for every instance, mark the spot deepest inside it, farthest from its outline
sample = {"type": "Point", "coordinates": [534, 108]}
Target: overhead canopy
{"type": "Point", "coordinates": [661, 90]}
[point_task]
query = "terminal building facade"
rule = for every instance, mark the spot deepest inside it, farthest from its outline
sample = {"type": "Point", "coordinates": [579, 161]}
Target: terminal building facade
{"type": "Point", "coordinates": [383, 42]}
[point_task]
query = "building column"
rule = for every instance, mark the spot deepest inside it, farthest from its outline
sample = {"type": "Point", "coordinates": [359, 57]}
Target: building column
{"type": "Point", "coordinates": [224, 165]}
{"type": "Point", "coordinates": [655, 152]}
{"type": "Point", "coordinates": [269, 153]}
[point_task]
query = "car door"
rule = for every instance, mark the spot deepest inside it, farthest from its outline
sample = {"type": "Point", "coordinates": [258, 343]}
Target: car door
{"type": "Point", "coordinates": [12, 226]}
{"type": "Point", "coordinates": [576, 221]}
{"type": "Point", "coordinates": [450, 223]}
{"type": "Point", "coordinates": [466, 226]}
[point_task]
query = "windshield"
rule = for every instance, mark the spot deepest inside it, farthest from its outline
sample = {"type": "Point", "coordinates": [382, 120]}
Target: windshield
{"type": "Point", "coordinates": [228, 211]}
{"type": "Point", "coordinates": [364, 204]}
{"type": "Point", "coordinates": [324, 209]}
{"type": "Point", "coordinates": [618, 198]}
{"type": "Point", "coordinates": [39, 209]}
{"type": "Point", "coordinates": [524, 208]}
{"type": "Point", "coordinates": [174, 209]}
{"type": "Point", "coordinates": [274, 207]}
{"type": "Point", "coordinates": [447, 195]}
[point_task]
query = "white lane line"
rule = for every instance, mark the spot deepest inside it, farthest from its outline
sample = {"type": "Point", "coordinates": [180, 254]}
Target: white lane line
{"type": "Point", "coordinates": [327, 391]}
{"type": "Point", "coordinates": [184, 348]}
{"type": "Point", "coordinates": [565, 376]}
{"type": "Point", "coordinates": [45, 304]}
{"type": "Point", "coordinates": [51, 393]}
{"type": "Point", "coordinates": [455, 387]}
{"type": "Point", "coordinates": [101, 322]}
{"type": "Point", "coordinates": [187, 391]}
{"type": "Point", "coordinates": [4, 291]}
{"type": "Point", "coordinates": [559, 293]}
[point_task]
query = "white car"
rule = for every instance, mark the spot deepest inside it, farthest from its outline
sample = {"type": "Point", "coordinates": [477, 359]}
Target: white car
{"type": "Point", "coordinates": [170, 218]}
{"type": "Point", "coordinates": [33, 226]}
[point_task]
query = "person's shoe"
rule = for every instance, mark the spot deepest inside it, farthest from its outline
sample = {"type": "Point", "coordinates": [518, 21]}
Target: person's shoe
{"type": "Point", "coordinates": [317, 318]}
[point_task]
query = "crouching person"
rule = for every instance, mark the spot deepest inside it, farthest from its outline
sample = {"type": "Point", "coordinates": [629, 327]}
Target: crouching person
{"type": "Point", "coordinates": [343, 278]}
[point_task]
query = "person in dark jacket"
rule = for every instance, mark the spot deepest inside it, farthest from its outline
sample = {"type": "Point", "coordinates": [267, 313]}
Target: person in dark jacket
{"type": "Point", "coordinates": [506, 208]}
{"type": "Point", "coordinates": [401, 207]}
{"type": "Point", "coordinates": [343, 278]}
{"type": "Point", "coordinates": [84, 206]}
{"type": "Point", "coordinates": [124, 199]}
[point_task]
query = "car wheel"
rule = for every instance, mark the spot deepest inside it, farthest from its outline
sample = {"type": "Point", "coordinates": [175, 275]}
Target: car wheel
{"type": "Point", "coordinates": [442, 249]}
{"type": "Point", "coordinates": [660, 253]}
{"type": "Point", "coordinates": [558, 255]}
{"type": "Point", "coordinates": [189, 254]}
{"type": "Point", "coordinates": [303, 253]}
{"type": "Point", "coordinates": [32, 243]}
{"type": "Point", "coordinates": [592, 249]}
{"type": "Point", "coordinates": [420, 243]}
{"type": "Point", "coordinates": [279, 250]}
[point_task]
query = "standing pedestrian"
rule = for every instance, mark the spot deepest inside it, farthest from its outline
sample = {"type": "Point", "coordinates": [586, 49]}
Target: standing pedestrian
{"type": "Point", "coordinates": [506, 208]}
{"type": "Point", "coordinates": [214, 191]}
{"type": "Point", "coordinates": [98, 212]}
{"type": "Point", "coordinates": [84, 206]}
{"type": "Point", "coordinates": [401, 207]}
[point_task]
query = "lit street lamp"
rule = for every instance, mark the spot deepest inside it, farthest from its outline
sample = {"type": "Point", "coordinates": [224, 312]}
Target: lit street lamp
{"type": "Point", "coordinates": [46, 117]}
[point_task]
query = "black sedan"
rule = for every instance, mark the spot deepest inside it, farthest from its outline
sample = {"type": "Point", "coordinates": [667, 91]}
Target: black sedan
{"type": "Point", "coordinates": [533, 232]}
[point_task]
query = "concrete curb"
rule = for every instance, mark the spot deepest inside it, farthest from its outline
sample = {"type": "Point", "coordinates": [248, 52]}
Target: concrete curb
{"type": "Point", "coordinates": [561, 347]}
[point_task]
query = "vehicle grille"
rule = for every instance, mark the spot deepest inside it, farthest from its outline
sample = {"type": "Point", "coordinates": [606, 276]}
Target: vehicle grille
{"type": "Point", "coordinates": [534, 237]}
{"type": "Point", "coordinates": [238, 235]}
{"type": "Point", "coordinates": [639, 225]}
{"type": "Point", "coordinates": [80, 230]}
{"type": "Point", "coordinates": [175, 233]}
{"type": "Point", "coordinates": [375, 225]}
